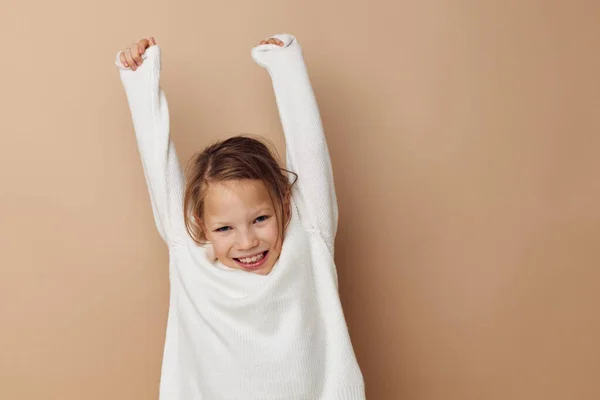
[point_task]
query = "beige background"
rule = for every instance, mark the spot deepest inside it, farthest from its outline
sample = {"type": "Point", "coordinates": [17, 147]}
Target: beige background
{"type": "Point", "coordinates": [464, 137]}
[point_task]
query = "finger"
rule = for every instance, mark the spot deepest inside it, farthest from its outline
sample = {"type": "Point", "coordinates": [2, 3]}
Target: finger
{"type": "Point", "coordinates": [143, 45]}
{"type": "Point", "coordinates": [275, 41]}
{"type": "Point", "coordinates": [135, 53]}
{"type": "Point", "coordinates": [142, 48]}
{"type": "Point", "coordinates": [132, 64]}
{"type": "Point", "coordinates": [123, 60]}
{"type": "Point", "coordinates": [152, 41]}
{"type": "Point", "coordinates": [262, 42]}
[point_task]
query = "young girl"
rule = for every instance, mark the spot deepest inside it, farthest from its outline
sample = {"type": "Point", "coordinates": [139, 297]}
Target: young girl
{"type": "Point", "coordinates": [254, 306]}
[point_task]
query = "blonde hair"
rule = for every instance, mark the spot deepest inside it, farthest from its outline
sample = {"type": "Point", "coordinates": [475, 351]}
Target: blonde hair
{"type": "Point", "coordinates": [240, 157]}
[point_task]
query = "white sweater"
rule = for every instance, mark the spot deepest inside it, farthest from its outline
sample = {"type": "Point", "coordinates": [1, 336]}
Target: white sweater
{"type": "Point", "coordinates": [232, 334]}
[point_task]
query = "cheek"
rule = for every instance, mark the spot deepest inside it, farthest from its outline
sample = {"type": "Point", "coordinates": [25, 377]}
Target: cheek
{"type": "Point", "coordinates": [272, 232]}
{"type": "Point", "coordinates": [221, 246]}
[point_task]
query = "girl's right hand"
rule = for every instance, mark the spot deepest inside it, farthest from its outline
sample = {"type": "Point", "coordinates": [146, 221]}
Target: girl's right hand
{"type": "Point", "coordinates": [132, 56]}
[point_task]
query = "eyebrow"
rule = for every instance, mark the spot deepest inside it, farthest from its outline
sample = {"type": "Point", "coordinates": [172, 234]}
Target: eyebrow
{"type": "Point", "coordinates": [259, 210]}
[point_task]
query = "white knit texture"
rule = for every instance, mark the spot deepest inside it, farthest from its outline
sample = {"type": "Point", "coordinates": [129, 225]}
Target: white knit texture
{"type": "Point", "coordinates": [231, 334]}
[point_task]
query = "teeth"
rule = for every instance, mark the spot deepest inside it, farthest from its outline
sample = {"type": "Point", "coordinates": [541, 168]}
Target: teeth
{"type": "Point", "coordinates": [252, 259]}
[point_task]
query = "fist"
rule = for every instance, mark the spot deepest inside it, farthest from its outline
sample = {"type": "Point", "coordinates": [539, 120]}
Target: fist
{"type": "Point", "coordinates": [271, 41]}
{"type": "Point", "coordinates": [132, 56]}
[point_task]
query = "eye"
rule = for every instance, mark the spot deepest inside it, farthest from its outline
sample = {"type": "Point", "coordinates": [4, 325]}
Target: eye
{"type": "Point", "coordinates": [262, 216]}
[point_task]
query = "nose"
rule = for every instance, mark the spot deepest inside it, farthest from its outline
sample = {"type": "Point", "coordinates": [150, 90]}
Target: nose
{"type": "Point", "coordinates": [247, 240]}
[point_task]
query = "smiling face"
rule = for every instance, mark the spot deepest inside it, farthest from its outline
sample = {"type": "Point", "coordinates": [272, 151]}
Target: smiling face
{"type": "Point", "coordinates": [240, 222]}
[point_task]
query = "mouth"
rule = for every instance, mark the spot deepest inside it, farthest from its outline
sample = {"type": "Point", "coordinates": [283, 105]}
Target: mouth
{"type": "Point", "coordinates": [256, 264]}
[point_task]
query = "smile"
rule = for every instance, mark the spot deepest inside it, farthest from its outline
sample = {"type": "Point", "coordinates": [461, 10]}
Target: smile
{"type": "Point", "coordinates": [253, 262]}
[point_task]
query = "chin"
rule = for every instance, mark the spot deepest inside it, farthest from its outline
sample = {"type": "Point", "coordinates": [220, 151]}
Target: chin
{"type": "Point", "coordinates": [265, 271]}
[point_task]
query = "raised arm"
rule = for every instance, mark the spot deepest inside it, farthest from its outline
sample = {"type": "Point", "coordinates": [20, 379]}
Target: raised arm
{"type": "Point", "coordinates": [307, 153]}
{"type": "Point", "coordinates": [150, 115]}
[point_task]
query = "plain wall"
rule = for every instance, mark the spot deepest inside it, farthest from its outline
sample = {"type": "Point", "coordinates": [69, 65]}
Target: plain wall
{"type": "Point", "coordinates": [464, 137]}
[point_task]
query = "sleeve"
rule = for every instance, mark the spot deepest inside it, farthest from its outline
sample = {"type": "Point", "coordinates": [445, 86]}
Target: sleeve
{"type": "Point", "coordinates": [162, 171]}
{"type": "Point", "coordinates": [307, 153]}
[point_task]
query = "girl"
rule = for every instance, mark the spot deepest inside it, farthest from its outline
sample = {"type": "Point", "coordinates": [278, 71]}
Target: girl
{"type": "Point", "coordinates": [254, 307]}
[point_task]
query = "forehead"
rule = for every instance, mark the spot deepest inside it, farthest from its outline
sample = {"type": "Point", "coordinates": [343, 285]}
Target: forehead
{"type": "Point", "coordinates": [231, 198]}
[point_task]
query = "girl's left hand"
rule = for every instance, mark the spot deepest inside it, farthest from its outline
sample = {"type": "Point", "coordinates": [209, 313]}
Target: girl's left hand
{"type": "Point", "coordinates": [272, 41]}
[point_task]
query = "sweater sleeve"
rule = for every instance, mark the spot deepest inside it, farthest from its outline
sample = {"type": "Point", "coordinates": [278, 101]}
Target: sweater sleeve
{"type": "Point", "coordinates": [150, 116]}
{"type": "Point", "coordinates": [307, 153]}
